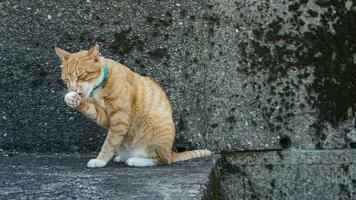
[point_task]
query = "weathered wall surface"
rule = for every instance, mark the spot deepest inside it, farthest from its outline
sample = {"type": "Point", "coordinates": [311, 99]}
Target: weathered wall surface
{"type": "Point", "coordinates": [282, 69]}
{"type": "Point", "coordinates": [240, 74]}
{"type": "Point", "coordinates": [159, 39]}
{"type": "Point", "coordinates": [296, 69]}
{"type": "Point", "coordinates": [304, 174]}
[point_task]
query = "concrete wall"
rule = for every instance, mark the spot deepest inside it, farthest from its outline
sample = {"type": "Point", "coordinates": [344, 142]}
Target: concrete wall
{"type": "Point", "coordinates": [158, 39]}
{"type": "Point", "coordinates": [240, 75]}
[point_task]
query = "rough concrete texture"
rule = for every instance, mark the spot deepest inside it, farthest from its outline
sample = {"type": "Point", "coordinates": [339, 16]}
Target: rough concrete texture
{"type": "Point", "coordinates": [240, 74]}
{"type": "Point", "coordinates": [61, 176]}
{"type": "Point", "coordinates": [281, 74]}
{"type": "Point", "coordinates": [308, 174]}
{"type": "Point", "coordinates": [155, 38]}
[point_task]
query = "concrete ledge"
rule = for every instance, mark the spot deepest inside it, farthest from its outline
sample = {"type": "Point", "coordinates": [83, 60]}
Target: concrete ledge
{"type": "Point", "coordinates": [296, 174]}
{"type": "Point", "coordinates": [62, 176]}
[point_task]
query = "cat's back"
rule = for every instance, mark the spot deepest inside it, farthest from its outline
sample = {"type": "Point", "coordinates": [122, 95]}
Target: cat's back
{"type": "Point", "coordinates": [147, 96]}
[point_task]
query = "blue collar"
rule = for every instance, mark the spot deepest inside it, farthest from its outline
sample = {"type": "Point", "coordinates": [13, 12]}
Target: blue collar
{"type": "Point", "coordinates": [101, 82]}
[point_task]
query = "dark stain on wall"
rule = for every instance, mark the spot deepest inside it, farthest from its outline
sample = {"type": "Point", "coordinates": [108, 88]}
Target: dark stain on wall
{"type": "Point", "coordinates": [328, 48]}
{"type": "Point", "coordinates": [125, 42]}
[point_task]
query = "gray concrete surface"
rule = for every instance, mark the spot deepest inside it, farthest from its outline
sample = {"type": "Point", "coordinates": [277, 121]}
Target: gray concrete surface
{"type": "Point", "coordinates": [281, 69]}
{"type": "Point", "coordinates": [154, 38]}
{"type": "Point", "coordinates": [63, 176]}
{"type": "Point", "coordinates": [240, 74]}
{"type": "Point", "coordinates": [301, 174]}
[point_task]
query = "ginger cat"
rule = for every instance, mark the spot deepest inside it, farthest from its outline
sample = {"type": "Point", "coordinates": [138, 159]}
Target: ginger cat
{"type": "Point", "coordinates": [133, 108]}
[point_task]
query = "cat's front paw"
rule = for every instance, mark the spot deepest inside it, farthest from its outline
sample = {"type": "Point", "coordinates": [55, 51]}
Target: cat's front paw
{"type": "Point", "coordinates": [96, 163]}
{"type": "Point", "coordinates": [72, 99]}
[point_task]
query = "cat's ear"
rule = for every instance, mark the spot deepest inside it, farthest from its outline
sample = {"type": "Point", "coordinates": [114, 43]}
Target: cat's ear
{"type": "Point", "coordinates": [93, 53]}
{"type": "Point", "coordinates": [62, 54]}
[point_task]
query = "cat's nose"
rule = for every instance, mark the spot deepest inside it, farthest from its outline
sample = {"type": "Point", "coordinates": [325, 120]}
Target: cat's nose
{"type": "Point", "coordinates": [73, 87]}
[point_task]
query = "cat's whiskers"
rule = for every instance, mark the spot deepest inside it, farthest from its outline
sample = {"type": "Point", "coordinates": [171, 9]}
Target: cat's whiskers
{"type": "Point", "coordinates": [63, 93]}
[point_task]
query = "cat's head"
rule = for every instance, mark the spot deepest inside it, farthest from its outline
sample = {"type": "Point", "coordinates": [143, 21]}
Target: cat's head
{"type": "Point", "coordinates": [81, 71]}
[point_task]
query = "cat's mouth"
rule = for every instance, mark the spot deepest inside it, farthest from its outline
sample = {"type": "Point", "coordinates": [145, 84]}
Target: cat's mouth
{"type": "Point", "coordinates": [83, 94]}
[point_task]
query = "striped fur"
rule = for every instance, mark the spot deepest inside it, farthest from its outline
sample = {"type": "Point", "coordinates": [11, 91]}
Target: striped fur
{"type": "Point", "coordinates": [134, 109]}
{"type": "Point", "coordinates": [186, 155]}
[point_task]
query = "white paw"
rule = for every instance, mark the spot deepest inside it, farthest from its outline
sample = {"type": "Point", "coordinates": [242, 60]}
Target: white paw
{"type": "Point", "coordinates": [117, 159]}
{"type": "Point", "coordinates": [140, 162]}
{"type": "Point", "coordinates": [96, 163]}
{"type": "Point", "coordinates": [72, 99]}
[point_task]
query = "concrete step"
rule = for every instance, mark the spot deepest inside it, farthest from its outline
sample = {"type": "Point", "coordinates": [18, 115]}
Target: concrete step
{"type": "Point", "coordinates": [295, 174]}
{"type": "Point", "coordinates": [63, 176]}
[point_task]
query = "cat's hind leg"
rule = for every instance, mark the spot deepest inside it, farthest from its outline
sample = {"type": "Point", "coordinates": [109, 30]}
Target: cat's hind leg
{"type": "Point", "coordinates": [118, 159]}
{"type": "Point", "coordinates": [161, 147]}
{"type": "Point", "coordinates": [141, 162]}
{"type": "Point", "coordinates": [122, 154]}
{"type": "Point", "coordinates": [164, 154]}
{"type": "Point", "coordinates": [160, 156]}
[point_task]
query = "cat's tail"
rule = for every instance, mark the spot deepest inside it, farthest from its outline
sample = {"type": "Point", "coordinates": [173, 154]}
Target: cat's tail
{"type": "Point", "coordinates": [186, 155]}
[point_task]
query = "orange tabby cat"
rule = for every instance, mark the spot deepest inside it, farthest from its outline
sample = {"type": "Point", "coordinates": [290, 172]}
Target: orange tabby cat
{"type": "Point", "coordinates": [133, 108]}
